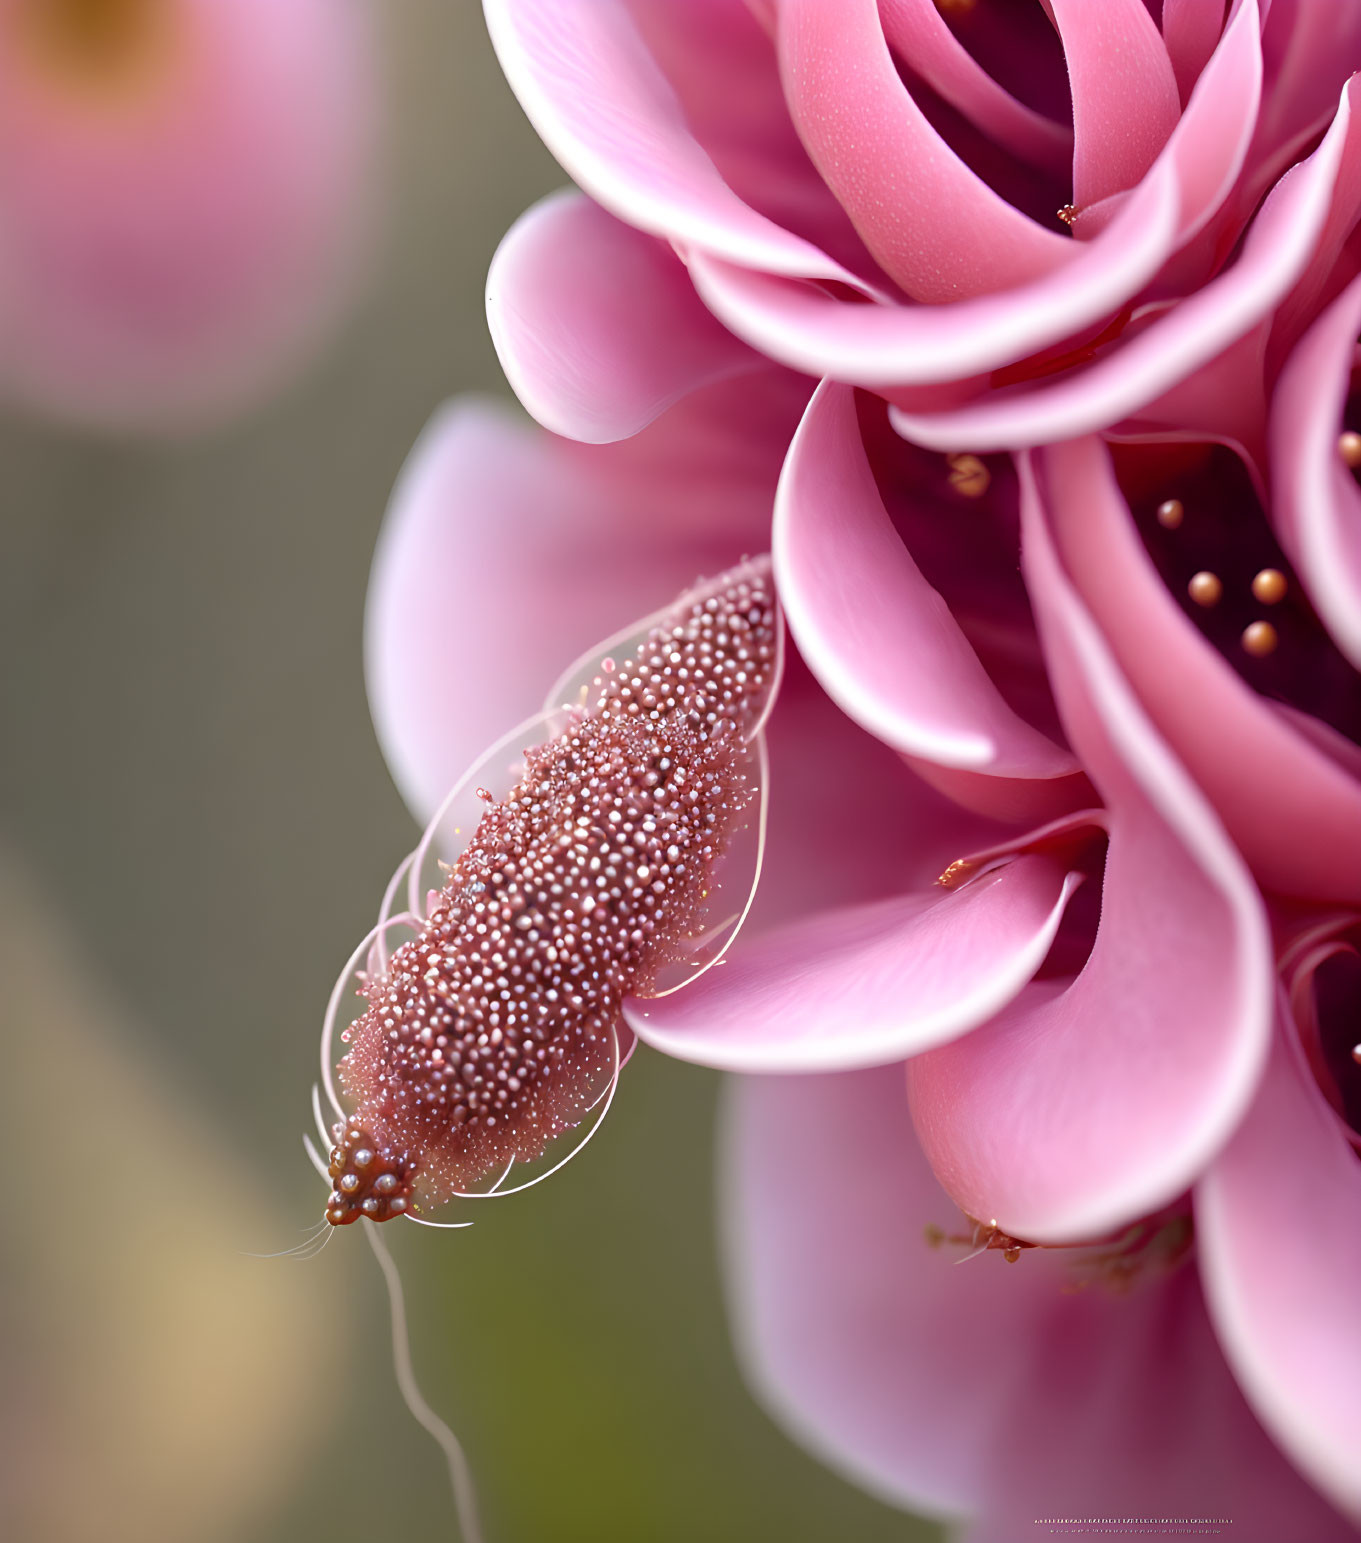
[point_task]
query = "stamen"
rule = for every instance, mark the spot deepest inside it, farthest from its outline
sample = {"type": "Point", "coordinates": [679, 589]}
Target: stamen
{"type": "Point", "coordinates": [1260, 639]}
{"type": "Point", "coordinates": [1171, 512]}
{"type": "Point", "coordinates": [968, 475]}
{"type": "Point", "coordinates": [1205, 588]}
{"type": "Point", "coordinates": [956, 873]}
{"type": "Point", "coordinates": [1221, 559]}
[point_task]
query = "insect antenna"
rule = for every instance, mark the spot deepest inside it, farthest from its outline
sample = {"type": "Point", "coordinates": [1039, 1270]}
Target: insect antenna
{"type": "Point", "coordinates": [299, 1250]}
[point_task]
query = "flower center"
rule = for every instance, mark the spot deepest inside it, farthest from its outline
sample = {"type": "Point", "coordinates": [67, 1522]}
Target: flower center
{"type": "Point", "coordinates": [1209, 538]}
{"type": "Point", "coordinates": [95, 48]}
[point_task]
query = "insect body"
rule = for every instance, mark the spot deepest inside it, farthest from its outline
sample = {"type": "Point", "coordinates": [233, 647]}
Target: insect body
{"type": "Point", "coordinates": [491, 1031]}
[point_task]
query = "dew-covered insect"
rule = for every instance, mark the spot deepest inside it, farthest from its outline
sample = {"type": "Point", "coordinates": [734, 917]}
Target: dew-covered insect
{"type": "Point", "coordinates": [588, 857]}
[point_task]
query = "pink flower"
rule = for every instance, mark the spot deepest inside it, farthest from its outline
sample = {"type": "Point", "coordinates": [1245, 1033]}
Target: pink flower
{"type": "Point", "coordinates": [1083, 991]}
{"type": "Point", "coordinates": [1067, 1081]}
{"type": "Point", "coordinates": [1156, 1053]}
{"type": "Point", "coordinates": [183, 190]}
{"type": "Point", "coordinates": [878, 193]}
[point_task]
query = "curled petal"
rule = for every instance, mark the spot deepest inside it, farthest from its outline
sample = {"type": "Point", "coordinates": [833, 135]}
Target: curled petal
{"type": "Point", "coordinates": [1279, 1221]}
{"type": "Point", "coordinates": [894, 345]}
{"type": "Point", "coordinates": [1317, 504]}
{"type": "Point", "coordinates": [918, 32]}
{"type": "Point", "coordinates": [1210, 144]}
{"type": "Point", "coordinates": [868, 985]}
{"type": "Point", "coordinates": [598, 98]}
{"type": "Point", "coordinates": [1081, 1108]}
{"type": "Point", "coordinates": [887, 346]}
{"type": "Point", "coordinates": [1277, 251]}
{"type": "Point", "coordinates": [930, 221]}
{"type": "Point", "coordinates": [598, 327]}
{"type": "Point", "coordinates": [1124, 93]}
{"type": "Point", "coordinates": [1309, 49]}
{"type": "Point", "coordinates": [1191, 29]}
{"type": "Point", "coordinates": [880, 639]}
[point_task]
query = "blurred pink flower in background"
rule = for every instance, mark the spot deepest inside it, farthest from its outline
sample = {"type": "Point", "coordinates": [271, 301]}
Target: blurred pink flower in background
{"type": "Point", "coordinates": [184, 187]}
{"type": "Point", "coordinates": [1118, 1035]}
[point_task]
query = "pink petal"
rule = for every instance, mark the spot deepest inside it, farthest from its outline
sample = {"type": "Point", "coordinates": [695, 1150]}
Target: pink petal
{"type": "Point", "coordinates": [1317, 505]}
{"type": "Point", "coordinates": [595, 93]}
{"type": "Point", "coordinates": [173, 242]}
{"type": "Point", "coordinates": [930, 222]}
{"type": "Point", "coordinates": [597, 327]}
{"type": "Point", "coordinates": [1210, 144]}
{"type": "Point", "coordinates": [1279, 246]}
{"type": "Point", "coordinates": [870, 985]}
{"type": "Point", "coordinates": [1309, 48]}
{"type": "Point", "coordinates": [1279, 1221]}
{"type": "Point", "coordinates": [1208, 149]}
{"type": "Point", "coordinates": [719, 58]}
{"type": "Point", "coordinates": [920, 35]}
{"type": "Point", "coordinates": [859, 607]}
{"type": "Point", "coordinates": [1223, 402]}
{"type": "Point", "coordinates": [1191, 29]}
{"type": "Point", "coordinates": [1078, 1110]}
{"type": "Point", "coordinates": [982, 1389]}
{"type": "Point", "coordinates": [1329, 267]}
{"type": "Point", "coordinates": [880, 345]}
{"type": "Point", "coordinates": [1292, 810]}
{"type": "Point", "coordinates": [903, 346]}
{"type": "Point", "coordinates": [892, 1365]}
{"type": "Point", "coordinates": [1124, 93]}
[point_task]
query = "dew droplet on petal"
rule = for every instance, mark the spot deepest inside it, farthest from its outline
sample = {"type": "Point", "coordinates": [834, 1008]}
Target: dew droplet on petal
{"type": "Point", "coordinates": [1269, 586]}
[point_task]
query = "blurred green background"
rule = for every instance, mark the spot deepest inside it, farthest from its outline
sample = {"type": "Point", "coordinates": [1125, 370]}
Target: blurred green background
{"type": "Point", "coordinates": [197, 825]}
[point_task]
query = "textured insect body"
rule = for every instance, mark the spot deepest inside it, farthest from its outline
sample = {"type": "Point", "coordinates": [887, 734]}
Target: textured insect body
{"type": "Point", "coordinates": [495, 1028]}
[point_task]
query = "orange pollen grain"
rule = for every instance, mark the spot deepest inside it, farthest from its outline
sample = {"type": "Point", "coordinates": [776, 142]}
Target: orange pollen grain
{"type": "Point", "coordinates": [1260, 639]}
{"type": "Point", "coordinates": [968, 475]}
{"type": "Point", "coordinates": [1205, 588]}
{"type": "Point", "coordinates": [1171, 514]}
